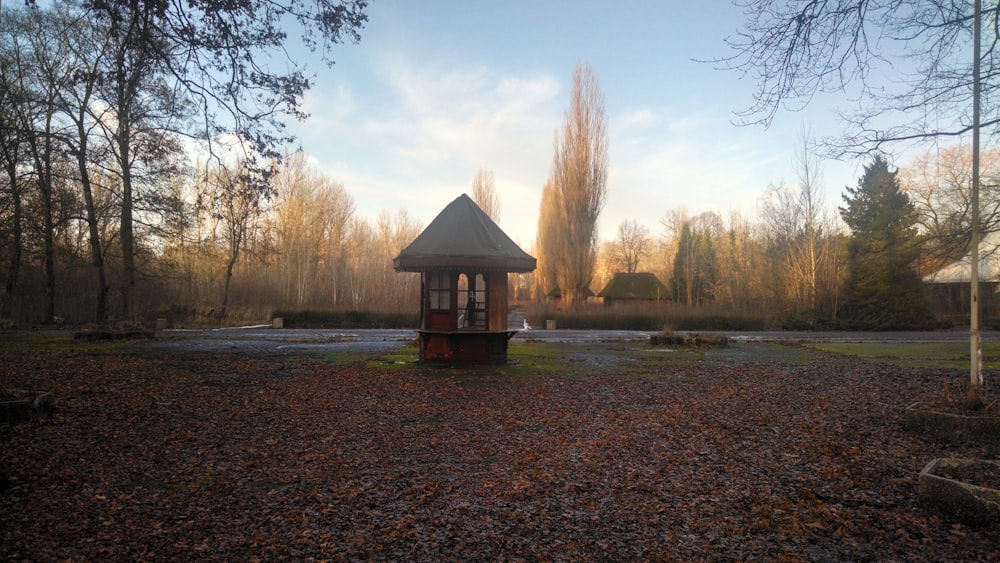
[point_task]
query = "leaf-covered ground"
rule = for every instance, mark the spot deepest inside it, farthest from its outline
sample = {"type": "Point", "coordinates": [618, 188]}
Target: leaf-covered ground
{"type": "Point", "coordinates": [756, 455]}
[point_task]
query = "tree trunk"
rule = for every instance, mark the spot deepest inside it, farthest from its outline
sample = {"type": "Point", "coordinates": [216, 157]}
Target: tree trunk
{"type": "Point", "coordinates": [17, 242]}
{"type": "Point", "coordinates": [230, 264]}
{"type": "Point", "coordinates": [235, 244]}
{"type": "Point", "coordinates": [96, 250]}
{"type": "Point", "coordinates": [125, 229]}
{"type": "Point", "coordinates": [43, 164]}
{"type": "Point", "coordinates": [49, 251]}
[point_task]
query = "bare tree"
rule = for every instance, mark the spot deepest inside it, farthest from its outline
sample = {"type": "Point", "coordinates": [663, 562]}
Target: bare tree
{"type": "Point", "coordinates": [86, 47]}
{"type": "Point", "coordinates": [808, 252]}
{"type": "Point", "coordinates": [795, 221]}
{"type": "Point", "coordinates": [795, 50]}
{"type": "Point", "coordinates": [579, 181]}
{"type": "Point", "coordinates": [111, 112]}
{"type": "Point", "coordinates": [672, 224]}
{"type": "Point", "coordinates": [632, 245]}
{"type": "Point", "coordinates": [234, 60]}
{"type": "Point", "coordinates": [124, 79]}
{"type": "Point", "coordinates": [484, 194]}
{"type": "Point", "coordinates": [237, 209]}
{"type": "Point", "coordinates": [36, 69]}
{"type": "Point", "coordinates": [547, 242]}
{"type": "Point", "coordinates": [311, 218]}
{"type": "Point", "coordinates": [937, 183]}
{"type": "Point", "coordinates": [739, 255]}
{"type": "Point", "coordinates": [393, 233]}
{"type": "Point", "coordinates": [362, 263]}
{"type": "Point", "coordinates": [13, 103]}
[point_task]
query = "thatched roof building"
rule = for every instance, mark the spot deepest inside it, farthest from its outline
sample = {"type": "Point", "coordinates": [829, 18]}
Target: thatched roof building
{"type": "Point", "coordinates": [634, 287]}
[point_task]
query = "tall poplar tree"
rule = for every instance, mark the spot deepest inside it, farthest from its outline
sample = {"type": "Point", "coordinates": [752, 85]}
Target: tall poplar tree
{"type": "Point", "coordinates": [579, 184]}
{"type": "Point", "coordinates": [484, 193]}
{"type": "Point", "coordinates": [546, 244]}
{"type": "Point", "coordinates": [884, 291]}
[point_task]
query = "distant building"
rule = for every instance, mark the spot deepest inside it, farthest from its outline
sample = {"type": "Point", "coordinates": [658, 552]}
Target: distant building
{"type": "Point", "coordinates": [950, 286]}
{"type": "Point", "coordinates": [634, 288]}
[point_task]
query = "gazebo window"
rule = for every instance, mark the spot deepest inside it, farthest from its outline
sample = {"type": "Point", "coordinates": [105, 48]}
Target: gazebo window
{"type": "Point", "coordinates": [472, 301]}
{"type": "Point", "coordinates": [439, 289]}
{"type": "Point", "coordinates": [478, 293]}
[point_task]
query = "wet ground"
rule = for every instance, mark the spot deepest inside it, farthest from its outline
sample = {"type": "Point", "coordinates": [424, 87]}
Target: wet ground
{"type": "Point", "coordinates": [263, 339]}
{"type": "Point", "coordinates": [605, 448]}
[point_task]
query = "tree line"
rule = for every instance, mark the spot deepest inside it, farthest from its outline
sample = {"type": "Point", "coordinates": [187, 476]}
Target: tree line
{"type": "Point", "coordinates": [101, 101]}
{"type": "Point", "coordinates": [105, 216]}
{"type": "Point", "coordinates": [803, 265]}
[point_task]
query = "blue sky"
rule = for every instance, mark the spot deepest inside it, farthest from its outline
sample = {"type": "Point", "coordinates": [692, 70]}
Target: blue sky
{"type": "Point", "coordinates": [437, 90]}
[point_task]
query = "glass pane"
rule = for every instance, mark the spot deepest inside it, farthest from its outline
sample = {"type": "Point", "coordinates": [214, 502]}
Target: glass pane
{"type": "Point", "coordinates": [440, 292]}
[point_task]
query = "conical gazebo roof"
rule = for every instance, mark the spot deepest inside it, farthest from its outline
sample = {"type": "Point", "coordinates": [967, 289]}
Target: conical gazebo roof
{"type": "Point", "coordinates": [463, 236]}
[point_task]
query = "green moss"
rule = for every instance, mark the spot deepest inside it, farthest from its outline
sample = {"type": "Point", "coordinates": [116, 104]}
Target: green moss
{"type": "Point", "coordinates": [571, 360]}
{"type": "Point", "coordinates": [734, 354]}
{"type": "Point", "coordinates": [404, 357]}
{"type": "Point", "coordinates": [536, 358]}
{"type": "Point", "coordinates": [401, 358]}
{"type": "Point", "coordinates": [949, 355]}
{"type": "Point", "coordinates": [524, 360]}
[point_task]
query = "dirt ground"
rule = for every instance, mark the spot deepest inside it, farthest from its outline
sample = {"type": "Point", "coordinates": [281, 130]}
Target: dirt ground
{"type": "Point", "coordinates": [761, 452]}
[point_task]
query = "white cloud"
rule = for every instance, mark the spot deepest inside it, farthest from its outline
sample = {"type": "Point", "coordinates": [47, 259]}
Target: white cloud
{"type": "Point", "coordinates": [419, 144]}
{"type": "Point", "coordinates": [642, 117]}
{"type": "Point", "coordinates": [694, 161]}
{"type": "Point", "coordinates": [473, 117]}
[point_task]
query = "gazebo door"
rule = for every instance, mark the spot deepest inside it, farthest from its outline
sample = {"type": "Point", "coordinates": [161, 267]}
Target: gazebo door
{"type": "Point", "coordinates": [439, 313]}
{"type": "Point", "coordinates": [473, 307]}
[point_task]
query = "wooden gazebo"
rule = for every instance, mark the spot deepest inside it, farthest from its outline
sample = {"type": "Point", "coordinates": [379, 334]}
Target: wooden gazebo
{"type": "Point", "coordinates": [463, 258]}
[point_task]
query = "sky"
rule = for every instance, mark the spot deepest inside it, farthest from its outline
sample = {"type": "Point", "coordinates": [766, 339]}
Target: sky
{"type": "Point", "coordinates": [437, 89]}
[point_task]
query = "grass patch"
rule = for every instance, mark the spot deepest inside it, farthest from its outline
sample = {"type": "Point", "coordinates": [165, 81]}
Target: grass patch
{"type": "Point", "coordinates": [526, 359]}
{"type": "Point", "coordinates": [663, 358]}
{"type": "Point", "coordinates": [948, 355]}
{"type": "Point", "coordinates": [404, 357]}
{"type": "Point", "coordinates": [523, 358]}
{"type": "Point", "coordinates": [537, 358]}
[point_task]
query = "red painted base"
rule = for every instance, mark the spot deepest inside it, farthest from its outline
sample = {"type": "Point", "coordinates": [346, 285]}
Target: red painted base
{"type": "Point", "coordinates": [464, 347]}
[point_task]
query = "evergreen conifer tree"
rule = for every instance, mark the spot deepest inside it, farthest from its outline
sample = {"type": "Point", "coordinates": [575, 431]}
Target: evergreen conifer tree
{"type": "Point", "coordinates": [884, 291]}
